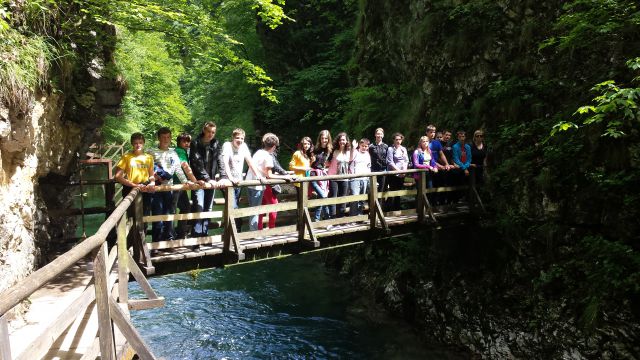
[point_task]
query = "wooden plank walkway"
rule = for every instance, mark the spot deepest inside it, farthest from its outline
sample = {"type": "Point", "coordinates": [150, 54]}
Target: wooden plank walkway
{"type": "Point", "coordinates": [79, 338]}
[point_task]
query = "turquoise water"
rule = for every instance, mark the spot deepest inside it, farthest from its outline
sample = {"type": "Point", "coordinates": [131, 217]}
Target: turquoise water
{"type": "Point", "coordinates": [291, 308]}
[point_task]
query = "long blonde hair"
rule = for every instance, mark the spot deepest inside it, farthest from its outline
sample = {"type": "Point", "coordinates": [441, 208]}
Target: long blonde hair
{"type": "Point", "coordinates": [329, 148]}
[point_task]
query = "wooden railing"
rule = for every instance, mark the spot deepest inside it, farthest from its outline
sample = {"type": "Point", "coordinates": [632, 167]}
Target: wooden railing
{"type": "Point", "coordinates": [304, 226]}
{"type": "Point", "coordinates": [111, 302]}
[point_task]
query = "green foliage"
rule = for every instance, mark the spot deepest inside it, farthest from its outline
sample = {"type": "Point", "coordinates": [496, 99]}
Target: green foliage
{"type": "Point", "coordinates": [154, 97]}
{"type": "Point", "coordinates": [616, 108]}
{"type": "Point", "coordinates": [24, 64]}
{"type": "Point", "coordinates": [595, 272]}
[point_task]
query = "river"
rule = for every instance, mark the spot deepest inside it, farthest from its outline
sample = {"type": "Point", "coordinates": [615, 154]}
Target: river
{"type": "Point", "coordinates": [290, 308]}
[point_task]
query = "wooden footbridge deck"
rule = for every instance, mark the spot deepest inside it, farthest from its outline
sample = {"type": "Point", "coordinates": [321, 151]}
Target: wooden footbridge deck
{"type": "Point", "coordinates": [93, 321]}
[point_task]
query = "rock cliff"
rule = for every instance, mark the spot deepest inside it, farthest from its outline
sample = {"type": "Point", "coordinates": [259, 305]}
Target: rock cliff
{"type": "Point", "coordinates": [42, 131]}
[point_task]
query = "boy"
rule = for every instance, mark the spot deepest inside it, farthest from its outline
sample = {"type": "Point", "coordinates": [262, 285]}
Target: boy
{"type": "Point", "coordinates": [263, 168]}
{"type": "Point", "coordinates": [135, 170]}
{"type": "Point", "coordinates": [234, 154]}
{"type": "Point", "coordinates": [203, 158]}
{"type": "Point", "coordinates": [360, 164]}
{"type": "Point", "coordinates": [180, 197]}
{"type": "Point", "coordinates": [167, 164]}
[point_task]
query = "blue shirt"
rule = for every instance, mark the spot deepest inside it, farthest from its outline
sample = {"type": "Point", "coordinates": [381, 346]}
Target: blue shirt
{"type": "Point", "coordinates": [435, 146]}
{"type": "Point", "coordinates": [456, 155]}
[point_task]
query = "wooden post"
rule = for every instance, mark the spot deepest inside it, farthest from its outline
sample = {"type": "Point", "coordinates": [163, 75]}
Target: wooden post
{"type": "Point", "coordinates": [5, 345]}
{"type": "Point", "coordinates": [373, 196]}
{"type": "Point", "coordinates": [105, 327]}
{"type": "Point", "coordinates": [226, 219]}
{"type": "Point", "coordinates": [303, 189]}
{"type": "Point", "coordinates": [421, 185]}
{"type": "Point", "coordinates": [123, 261]}
{"type": "Point", "coordinates": [141, 252]}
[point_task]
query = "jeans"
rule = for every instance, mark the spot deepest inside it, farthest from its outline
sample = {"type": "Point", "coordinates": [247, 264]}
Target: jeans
{"type": "Point", "coordinates": [162, 204]}
{"type": "Point", "coordinates": [338, 188]}
{"type": "Point", "coordinates": [255, 199]}
{"type": "Point", "coordinates": [202, 201]}
{"type": "Point", "coordinates": [357, 187]}
{"type": "Point", "coordinates": [324, 209]}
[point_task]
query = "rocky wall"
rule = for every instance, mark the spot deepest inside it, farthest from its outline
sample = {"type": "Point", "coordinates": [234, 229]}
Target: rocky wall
{"type": "Point", "coordinates": [40, 142]}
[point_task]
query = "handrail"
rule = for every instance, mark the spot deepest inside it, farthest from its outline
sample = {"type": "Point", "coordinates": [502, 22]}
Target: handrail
{"type": "Point", "coordinates": [27, 286]}
{"type": "Point", "coordinates": [243, 183]}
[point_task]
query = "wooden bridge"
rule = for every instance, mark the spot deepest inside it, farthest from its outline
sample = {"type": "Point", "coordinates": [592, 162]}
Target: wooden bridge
{"type": "Point", "coordinates": [102, 302]}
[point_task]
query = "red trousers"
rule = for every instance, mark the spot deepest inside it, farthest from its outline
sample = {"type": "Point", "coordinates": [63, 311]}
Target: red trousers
{"type": "Point", "coordinates": [268, 197]}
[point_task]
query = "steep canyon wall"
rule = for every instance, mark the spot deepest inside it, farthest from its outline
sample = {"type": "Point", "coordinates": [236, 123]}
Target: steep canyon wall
{"type": "Point", "coordinates": [43, 131]}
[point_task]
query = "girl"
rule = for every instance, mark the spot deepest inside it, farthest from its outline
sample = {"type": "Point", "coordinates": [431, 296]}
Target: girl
{"type": "Point", "coordinates": [339, 165]}
{"type": "Point", "coordinates": [321, 154]}
{"type": "Point", "coordinates": [301, 160]}
{"type": "Point", "coordinates": [422, 159]}
{"type": "Point", "coordinates": [397, 159]}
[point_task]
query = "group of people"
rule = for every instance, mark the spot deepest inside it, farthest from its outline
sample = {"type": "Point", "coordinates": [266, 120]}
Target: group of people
{"type": "Point", "coordinates": [204, 162]}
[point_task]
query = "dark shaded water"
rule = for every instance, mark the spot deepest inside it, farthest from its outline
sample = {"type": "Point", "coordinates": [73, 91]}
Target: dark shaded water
{"type": "Point", "coordinates": [278, 309]}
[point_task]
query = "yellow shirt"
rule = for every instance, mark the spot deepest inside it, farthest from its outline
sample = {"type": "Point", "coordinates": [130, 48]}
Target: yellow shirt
{"type": "Point", "coordinates": [298, 160]}
{"type": "Point", "coordinates": [136, 167]}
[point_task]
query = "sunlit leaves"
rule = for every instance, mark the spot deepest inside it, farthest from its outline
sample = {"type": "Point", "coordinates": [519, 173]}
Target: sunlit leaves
{"type": "Point", "coordinates": [616, 108]}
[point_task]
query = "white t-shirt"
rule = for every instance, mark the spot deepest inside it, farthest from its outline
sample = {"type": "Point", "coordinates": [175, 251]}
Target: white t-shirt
{"type": "Point", "coordinates": [262, 161]}
{"type": "Point", "coordinates": [233, 159]}
{"type": "Point", "coordinates": [361, 164]}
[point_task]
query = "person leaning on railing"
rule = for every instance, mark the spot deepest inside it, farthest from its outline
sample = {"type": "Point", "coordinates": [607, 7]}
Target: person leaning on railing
{"type": "Point", "coordinates": [203, 159]}
{"type": "Point", "coordinates": [339, 165]}
{"type": "Point", "coordinates": [271, 193]}
{"type": "Point", "coordinates": [263, 169]}
{"type": "Point", "coordinates": [235, 154]}
{"type": "Point", "coordinates": [462, 161]}
{"type": "Point", "coordinates": [167, 165]}
{"type": "Point", "coordinates": [397, 159]}
{"type": "Point", "coordinates": [180, 197]}
{"type": "Point", "coordinates": [378, 152]}
{"type": "Point", "coordinates": [422, 160]}
{"type": "Point", "coordinates": [135, 170]}
{"type": "Point", "coordinates": [360, 164]}
{"type": "Point", "coordinates": [321, 153]}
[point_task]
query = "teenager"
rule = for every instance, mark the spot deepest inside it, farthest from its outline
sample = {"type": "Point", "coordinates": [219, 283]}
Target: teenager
{"type": "Point", "coordinates": [479, 156]}
{"type": "Point", "coordinates": [378, 153]}
{"type": "Point", "coordinates": [262, 169]}
{"type": "Point", "coordinates": [271, 192]}
{"type": "Point", "coordinates": [203, 158]}
{"type": "Point", "coordinates": [321, 153]}
{"type": "Point", "coordinates": [167, 163]}
{"type": "Point", "coordinates": [301, 160]}
{"type": "Point", "coordinates": [360, 164]}
{"type": "Point", "coordinates": [180, 197]}
{"type": "Point", "coordinates": [339, 165]}
{"type": "Point", "coordinates": [422, 160]}
{"type": "Point", "coordinates": [135, 170]}
{"type": "Point", "coordinates": [397, 159]}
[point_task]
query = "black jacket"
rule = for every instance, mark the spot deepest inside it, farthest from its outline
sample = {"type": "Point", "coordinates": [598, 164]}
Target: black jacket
{"type": "Point", "coordinates": [378, 156]}
{"type": "Point", "coordinates": [204, 159]}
